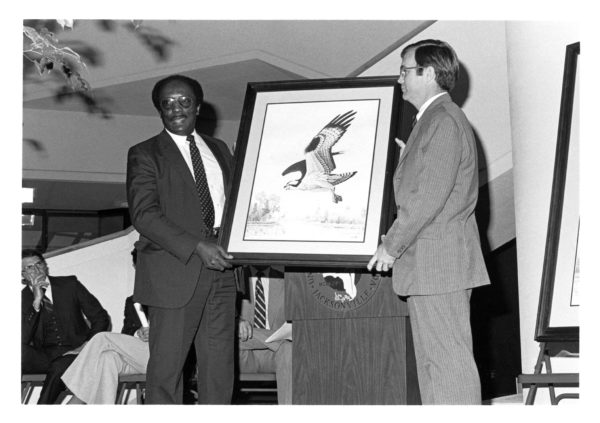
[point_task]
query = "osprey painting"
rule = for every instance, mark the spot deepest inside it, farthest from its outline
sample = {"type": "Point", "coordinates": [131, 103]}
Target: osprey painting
{"type": "Point", "coordinates": [318, 161]}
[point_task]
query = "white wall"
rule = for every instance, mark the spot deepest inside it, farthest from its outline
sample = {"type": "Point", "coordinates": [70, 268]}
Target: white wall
{"type": "Point", "coordinates": [94, 148]}
{"type": "Point", "coordinates": [104, 266]}
{"type": "Point", "coordinates": [78, 146]}
{"type": "Point", "coordinates": [536, 53]}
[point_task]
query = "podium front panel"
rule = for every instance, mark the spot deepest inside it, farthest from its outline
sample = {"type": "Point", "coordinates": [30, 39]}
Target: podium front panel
{"type": "Point", "coordinates": [349, 350]}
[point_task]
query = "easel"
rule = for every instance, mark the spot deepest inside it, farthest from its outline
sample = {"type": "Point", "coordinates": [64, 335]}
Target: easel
{"type": "Point", "coordinates": [550, 379]}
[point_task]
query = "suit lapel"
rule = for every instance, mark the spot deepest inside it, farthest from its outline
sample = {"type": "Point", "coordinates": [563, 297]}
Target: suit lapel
{"type": "Point", "coordinates": [410, 142]}
{"type": "Point", "coordinates": [415, 131]}
{"type": "Point", "coordinates": [170, 151]}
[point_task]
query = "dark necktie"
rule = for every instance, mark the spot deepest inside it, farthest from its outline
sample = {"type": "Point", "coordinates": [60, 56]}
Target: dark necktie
{"type": "Point", "coordinates": [208, 209]}
{"type": "Point", "coordinates": [46, 302]}
{"type": "Point", "coordinates": [260, 311]}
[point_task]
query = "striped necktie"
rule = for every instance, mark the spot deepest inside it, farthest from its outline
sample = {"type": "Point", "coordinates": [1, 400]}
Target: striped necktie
{"type": "Point", "coordinates": [47, 303]}
{"type": "Point", "coordinates": [208, 208]}
{"type": "Point", "coordinates": [260, 310]}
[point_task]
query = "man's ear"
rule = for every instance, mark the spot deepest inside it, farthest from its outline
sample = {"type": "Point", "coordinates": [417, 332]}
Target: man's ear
{"type": "Point", "coordinates": [430, 73]}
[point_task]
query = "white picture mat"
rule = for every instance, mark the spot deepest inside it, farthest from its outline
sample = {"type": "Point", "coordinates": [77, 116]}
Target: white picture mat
{"type": "Point", "coordinates": [324, 99]}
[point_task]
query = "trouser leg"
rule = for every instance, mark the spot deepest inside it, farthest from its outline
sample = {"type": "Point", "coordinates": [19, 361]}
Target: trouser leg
{"type": "Point", "coordinates": [53, 384]}
{"type": "Point", "coordinates": [171, 334]}
{"type": "Point", "coordinates": [34, 360]}
{"type": "Point", "coordinates": [215, 340]}
{"type": "Point", "coordinates": [442, 337]}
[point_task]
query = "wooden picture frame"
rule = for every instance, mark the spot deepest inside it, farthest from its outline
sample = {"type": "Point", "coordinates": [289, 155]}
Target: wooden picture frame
{"type": "Point", "coordinates": [557, 318]}
{"type": "Point", "coordinates": [293, 135]}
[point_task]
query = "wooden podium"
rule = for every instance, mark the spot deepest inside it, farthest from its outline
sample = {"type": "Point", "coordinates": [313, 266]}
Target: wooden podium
{"type": "Point", "coordinates": [349, 351]}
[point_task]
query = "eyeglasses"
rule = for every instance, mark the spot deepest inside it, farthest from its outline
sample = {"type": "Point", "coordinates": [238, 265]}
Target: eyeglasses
{"type": "Point", "coordinates": [404, 69]}
{"type": "Point", "coordinates": [33, 265]}
{"type": "Point", "coordinates": [169, 103]}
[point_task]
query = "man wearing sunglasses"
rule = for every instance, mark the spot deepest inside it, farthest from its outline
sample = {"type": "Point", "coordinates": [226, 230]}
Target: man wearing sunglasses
{"type": "Point", "coordinates": [433, 245]}
{"type": "Point", "coordinates": [176, 187]}
{"type": "Point", "coordinates": [53, 327]}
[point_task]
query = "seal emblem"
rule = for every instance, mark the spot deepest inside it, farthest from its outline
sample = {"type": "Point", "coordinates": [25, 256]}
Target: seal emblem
{"type": "Point", "coordinates": [342, 291]}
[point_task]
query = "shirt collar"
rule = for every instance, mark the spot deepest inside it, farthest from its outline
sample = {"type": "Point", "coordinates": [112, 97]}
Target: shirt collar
{"type": "Point", "coordinates": [428, 103]}
{"type": "Point", "coordinates": [181, 138]}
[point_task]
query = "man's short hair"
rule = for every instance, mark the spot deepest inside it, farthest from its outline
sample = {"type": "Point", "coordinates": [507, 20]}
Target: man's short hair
{"type": "Point", "coordinates": [441, 57]}
{"type": "Point", "coordinates": [28, 252]}
{"type": "Point", "coordinates": [192, 83]}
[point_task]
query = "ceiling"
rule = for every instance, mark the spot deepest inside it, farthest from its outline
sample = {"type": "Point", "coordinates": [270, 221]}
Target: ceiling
{"type": "Point", "coordinates": [124, 63]}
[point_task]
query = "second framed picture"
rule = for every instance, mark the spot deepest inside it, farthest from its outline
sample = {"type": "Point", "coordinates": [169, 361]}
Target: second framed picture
{"type": "Point", "coordinates": [311, 185]}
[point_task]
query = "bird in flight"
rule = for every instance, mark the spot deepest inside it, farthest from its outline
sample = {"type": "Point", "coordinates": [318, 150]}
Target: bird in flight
{"type": "Point", "coordinates": [318, 160]}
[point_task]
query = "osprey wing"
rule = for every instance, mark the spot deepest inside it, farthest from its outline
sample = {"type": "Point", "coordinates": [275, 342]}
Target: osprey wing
{"type": "Point", "coordinates": [320, 146]}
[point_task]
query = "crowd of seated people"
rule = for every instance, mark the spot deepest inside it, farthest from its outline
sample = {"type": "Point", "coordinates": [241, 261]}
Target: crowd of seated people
{"type": "Point", "coordinates": [90, 365]}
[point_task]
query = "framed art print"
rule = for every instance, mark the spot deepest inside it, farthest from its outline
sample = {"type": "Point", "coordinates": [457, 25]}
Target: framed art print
{"type": "Point", "coordinates": [311, 184]}
{"type": "Point", "coordinates": [558, 309]}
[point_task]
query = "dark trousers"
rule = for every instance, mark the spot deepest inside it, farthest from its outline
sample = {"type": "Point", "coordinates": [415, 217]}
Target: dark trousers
{"type": "Point", "coordinates": [50, 361]}
{"type": "Point", "coordinates": [207, 321]}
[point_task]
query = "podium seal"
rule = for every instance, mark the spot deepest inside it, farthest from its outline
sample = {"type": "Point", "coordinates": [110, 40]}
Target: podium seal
{"type": "Point", "coordinates": [343, 291]}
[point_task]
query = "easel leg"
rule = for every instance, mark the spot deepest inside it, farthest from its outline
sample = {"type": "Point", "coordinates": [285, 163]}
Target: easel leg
{"type": "Point", "coordinates": [538, 369]}
{"type": "Point", "coordinates": [550, 387]}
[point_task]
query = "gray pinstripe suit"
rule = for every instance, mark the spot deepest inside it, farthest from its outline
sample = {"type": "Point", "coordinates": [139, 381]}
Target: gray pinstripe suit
{"type": "Point", "coordinates": [436, 242]}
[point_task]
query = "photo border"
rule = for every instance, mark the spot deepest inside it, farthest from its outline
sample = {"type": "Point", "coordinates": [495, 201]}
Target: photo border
{"type": "Point", "coordinates": [385, 210]}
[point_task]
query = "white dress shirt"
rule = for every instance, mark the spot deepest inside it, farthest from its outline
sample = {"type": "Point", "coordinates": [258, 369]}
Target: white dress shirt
{"type": "Point", "coordinates": [214, 173]}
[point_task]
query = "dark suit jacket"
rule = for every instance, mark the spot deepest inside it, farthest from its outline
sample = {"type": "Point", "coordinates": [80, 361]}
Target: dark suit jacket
{"type": "Point", "coordinates": [131, 321]}
{"type": "Point", "coordinates": [165, 210]}
{"type": "Point", "coordinates": [70, 299]}
{"type": "Point", "coordinates": [435, 236]}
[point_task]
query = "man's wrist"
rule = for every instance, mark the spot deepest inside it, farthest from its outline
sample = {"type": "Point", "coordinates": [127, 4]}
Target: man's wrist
{"type": "Point", "coordinates": [37, 305]}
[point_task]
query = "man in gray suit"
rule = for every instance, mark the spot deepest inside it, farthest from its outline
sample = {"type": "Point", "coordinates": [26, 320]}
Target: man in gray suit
{"type": "Point", "coordinates": [259, 319]}
{"type": "Point", "coordinates": [433, 245]}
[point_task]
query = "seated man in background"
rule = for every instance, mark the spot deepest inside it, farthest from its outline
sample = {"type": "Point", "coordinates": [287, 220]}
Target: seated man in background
{"type": "Point", "coordinates": [94, 376]}
{"type": "Point", "coordinates": [53, 327]}
{"type": "Point", "coordinates": [262, 313]}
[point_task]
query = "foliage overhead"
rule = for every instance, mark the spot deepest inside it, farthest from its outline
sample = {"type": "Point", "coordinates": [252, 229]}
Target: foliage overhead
{"type": "Point", "coordinates": [44, 56]}
{"type": "Point", "coordinates": [47, 55]}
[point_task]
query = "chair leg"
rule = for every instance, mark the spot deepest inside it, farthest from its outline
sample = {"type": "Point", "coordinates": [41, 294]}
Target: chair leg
{"type": "Point", "coordinates": [120, 391]}
{"type": "Point", "coordinates": [127, 393]}
{"type": "Point", "coordinates": [139, 393]}
{"type": "Point", "coordinates": [26, 391]}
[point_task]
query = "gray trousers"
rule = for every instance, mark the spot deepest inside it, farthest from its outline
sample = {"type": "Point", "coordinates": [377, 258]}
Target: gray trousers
{"type": "Point", "coordinates": [443, 342]}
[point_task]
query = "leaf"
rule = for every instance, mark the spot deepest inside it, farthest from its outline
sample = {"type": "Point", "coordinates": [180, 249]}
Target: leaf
{"type": "Point", "coordinates": [65, 23]}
